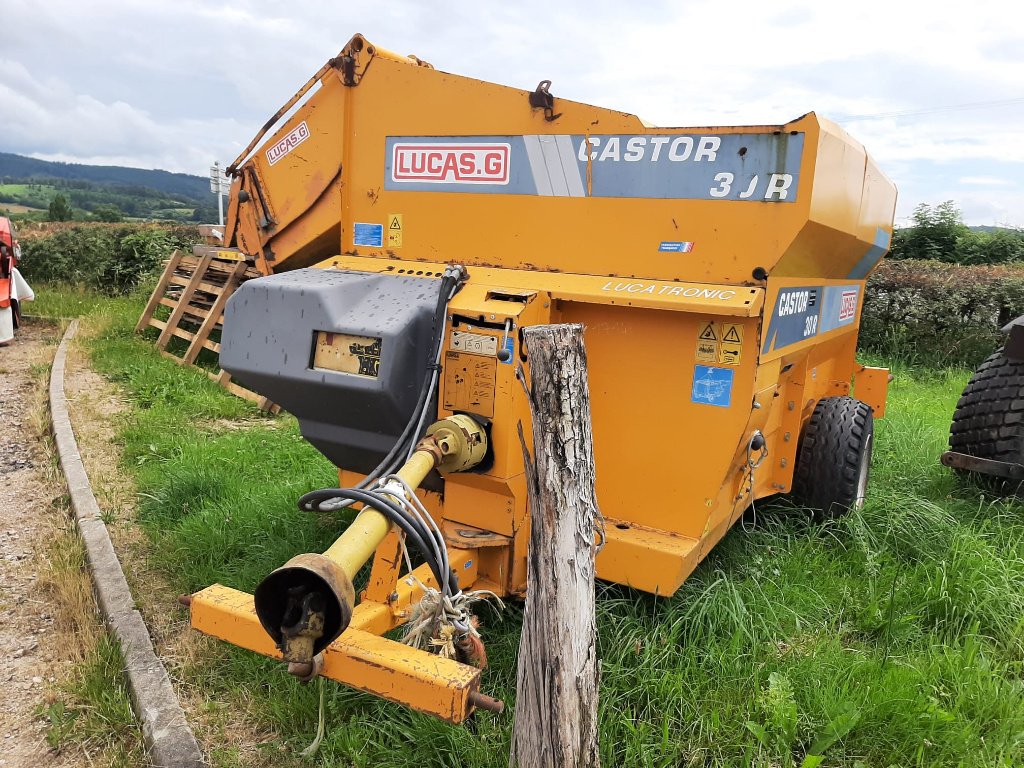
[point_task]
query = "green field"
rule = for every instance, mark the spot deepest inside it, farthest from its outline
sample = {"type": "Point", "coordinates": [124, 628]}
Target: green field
{"type": "Point", "coordinates": [14, 208]}
{"type": "Point", "coordinates": [34, 195]}
{"type": "Point", "coordinates": [894, 637]}
{"type": "Point", "coordinates": [84, 197]}
{"type": "Point", "coordinates": [61, 302]}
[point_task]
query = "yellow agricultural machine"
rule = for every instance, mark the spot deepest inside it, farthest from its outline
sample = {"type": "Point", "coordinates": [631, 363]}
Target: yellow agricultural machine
{"type": "Point", "coordinates": [411, 223]}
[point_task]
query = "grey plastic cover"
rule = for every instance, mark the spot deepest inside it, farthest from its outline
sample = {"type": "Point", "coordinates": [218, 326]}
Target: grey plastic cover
{"type": "Point", "coordinates": [271, 326]}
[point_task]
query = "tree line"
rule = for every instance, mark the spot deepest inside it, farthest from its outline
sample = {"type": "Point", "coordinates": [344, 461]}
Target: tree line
{"type": "Point", "coordinates": [61, 203]}
{"type": "Point", "coordinates": [166, 184]}
{"type": "Point", "coordinates": [938, 233]}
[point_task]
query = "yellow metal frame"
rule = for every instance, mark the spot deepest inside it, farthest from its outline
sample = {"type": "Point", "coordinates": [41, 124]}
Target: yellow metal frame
{"type": "Point", "coordinates": [360, 657]}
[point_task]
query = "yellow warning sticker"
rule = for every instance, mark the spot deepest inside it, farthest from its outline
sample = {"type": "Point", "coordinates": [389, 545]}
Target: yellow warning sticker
{"type": "Point", "coordinates": [733, 333]}
{"type": "Point", "coordinates": [708, 332]}
{"type": "Point", "coordinates": [730, 354]}
{"type": "Point", "coordinates": [394, 230]}
{"type": "Point", "coordinates": [707, 351]}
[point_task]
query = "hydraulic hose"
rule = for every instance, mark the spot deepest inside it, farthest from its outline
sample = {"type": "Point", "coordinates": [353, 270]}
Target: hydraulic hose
{"type": "Point", "coordinates": [415, 531]}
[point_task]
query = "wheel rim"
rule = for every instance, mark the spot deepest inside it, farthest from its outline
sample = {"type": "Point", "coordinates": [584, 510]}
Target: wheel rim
{"type": "Point", "coordinates": [862, 473]}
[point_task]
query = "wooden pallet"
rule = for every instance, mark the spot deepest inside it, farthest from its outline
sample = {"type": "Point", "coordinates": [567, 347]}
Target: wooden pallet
{"type": "Point", "coordinates": [195, 287]}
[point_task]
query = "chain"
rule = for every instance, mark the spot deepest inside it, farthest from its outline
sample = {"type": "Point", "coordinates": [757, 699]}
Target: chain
{"type": "Point", "coordinates": [756, 439]}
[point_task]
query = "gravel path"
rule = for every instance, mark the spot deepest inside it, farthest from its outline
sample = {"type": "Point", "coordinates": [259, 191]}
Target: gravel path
{"type": "Point", "coordinates": [29, 656]}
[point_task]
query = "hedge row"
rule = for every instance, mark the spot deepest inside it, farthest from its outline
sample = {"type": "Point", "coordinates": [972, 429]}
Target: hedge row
{"type": "Point", "coordinates": [931, 312]}
{"type": "Point", "coordinates": [925, 312]}
{"type": "Point", "coordinates": [109, 258]}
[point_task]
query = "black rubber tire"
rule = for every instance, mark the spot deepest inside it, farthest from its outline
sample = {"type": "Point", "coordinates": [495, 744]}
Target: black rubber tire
{"type": "Point", "coordinates": [834, 457]}
{"type": "Point", "coordinates": [989, 417]}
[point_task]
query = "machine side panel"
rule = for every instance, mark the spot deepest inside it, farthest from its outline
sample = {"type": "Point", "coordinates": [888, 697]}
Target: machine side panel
{"type": "Point", "coordinates": [455, 166]}
{"type": "Point", "coordinates": [671, 394]}
{"type": "Point", "coordinates": [293, 185]}
{"type": "Point", "coordinates": [850, 220]}
{"type": "Point", "coordinates": [800, 314]}
{"type": "Point", "coordinates": [690, 214]}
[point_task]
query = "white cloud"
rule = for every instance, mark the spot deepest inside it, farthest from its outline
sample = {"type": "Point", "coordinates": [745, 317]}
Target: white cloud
{"type": "Point", "coordinates": [177, 85]}
{"type": "Point", "coordinates": [49, 120]}
{"type": "Point", "coordinates": [985, 181]}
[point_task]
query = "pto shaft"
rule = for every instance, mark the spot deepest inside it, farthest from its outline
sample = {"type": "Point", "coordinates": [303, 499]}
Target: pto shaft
{"type": "Point", "coordinates": [360, 540]}
{"type": "Point", "coordinates": [307, 603]}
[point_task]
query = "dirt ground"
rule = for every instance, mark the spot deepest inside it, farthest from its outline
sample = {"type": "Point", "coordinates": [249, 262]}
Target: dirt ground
{"type": "Point", "coordinates": [95, 405]}
{"type": "Point", "coordinates": [33, 652]}
{"type": "Point", "coordinates": [48, 619]}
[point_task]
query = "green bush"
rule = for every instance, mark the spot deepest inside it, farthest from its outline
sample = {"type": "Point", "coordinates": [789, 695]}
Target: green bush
{"type": "Point", "coordinates": [931, 312]}
{"type": "Point", "coordinates": [111, 259]}
{"type": "Point", "coordinates": [1002, 246]}
{"type": "Point", "coordinates": [938, 232]}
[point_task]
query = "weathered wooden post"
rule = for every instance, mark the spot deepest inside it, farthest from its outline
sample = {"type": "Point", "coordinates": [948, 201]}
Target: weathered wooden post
{"type": "Point", "coordinates": [556, 704]}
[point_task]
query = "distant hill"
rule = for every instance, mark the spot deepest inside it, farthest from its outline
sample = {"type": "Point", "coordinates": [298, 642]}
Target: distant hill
{"type": "Point", "coordinates": [990, 229]}
{"type": "Point", "coordinates": [173, 184]}
{"type": "Point", "coordinates": [30, 184]}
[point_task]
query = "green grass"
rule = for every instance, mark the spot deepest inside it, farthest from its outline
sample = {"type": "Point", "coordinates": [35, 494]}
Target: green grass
{"type": "Point", "coordinates": [92, 713]}
{"type": "Point", "coordinates": [893, 637]}
{"type": "Point", "coordinates": [22, 189]}
{"type": "Point", "coordinates": [219, 504]}
{"type": "Point", "coordinates": [56, 302]}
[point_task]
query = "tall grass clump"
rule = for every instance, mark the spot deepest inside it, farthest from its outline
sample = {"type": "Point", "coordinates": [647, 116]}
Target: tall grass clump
{"type": "Point", "coordinates": [92, 712]}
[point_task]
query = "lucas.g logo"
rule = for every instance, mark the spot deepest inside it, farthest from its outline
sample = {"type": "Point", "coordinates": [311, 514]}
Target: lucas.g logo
{"type": "Point", "coordinates": [296, 136]}
{"type": "Point", "coordinates": [438, 163]}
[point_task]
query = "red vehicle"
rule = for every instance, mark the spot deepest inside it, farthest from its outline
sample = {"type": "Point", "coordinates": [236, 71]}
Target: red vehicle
{"type": "Point", "coordinates": [13, 288]}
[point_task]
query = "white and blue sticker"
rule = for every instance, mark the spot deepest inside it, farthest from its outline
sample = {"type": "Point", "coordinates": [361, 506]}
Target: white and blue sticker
{"type": "Point", "coordinates": [795, 317]}
{"type": "Point", "coordinates": [807, 310]}
{"type": "Point", "coordinates": [675, 246]}
{"type": "Point", "coordinates": [839, 307]}
{"type": "Point", "coordinates": [761, 167]}
{"type": "Point", "coordinates": [712, 386]}
{"type": "Point", "coordinates": [368, 234]}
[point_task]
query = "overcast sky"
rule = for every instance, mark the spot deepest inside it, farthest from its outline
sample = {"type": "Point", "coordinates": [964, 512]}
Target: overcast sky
{"type": "Point", "coordinates": [936, 96]}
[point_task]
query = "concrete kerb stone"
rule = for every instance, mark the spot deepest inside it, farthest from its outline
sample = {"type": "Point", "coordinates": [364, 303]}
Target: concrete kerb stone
{"type": "Point", "coordinates": [168, 735]}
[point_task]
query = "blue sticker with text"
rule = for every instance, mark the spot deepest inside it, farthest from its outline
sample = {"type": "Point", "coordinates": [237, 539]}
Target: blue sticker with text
{"type": "Point", "coordinates": [712, 386]}
{"type": "Point", "coordinates": [368, 234]}
{"type": "Point", "coordinates": [795, 317]}
{"type": "Point", "coordinates": [755, 167]}
{"type": "Point", "coordinates": [510, 345]}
